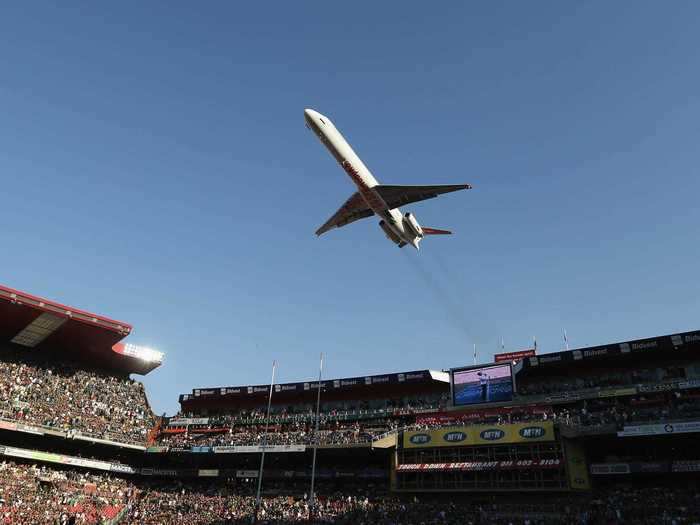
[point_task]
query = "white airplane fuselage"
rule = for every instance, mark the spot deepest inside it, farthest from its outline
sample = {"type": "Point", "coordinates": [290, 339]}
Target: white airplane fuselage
{"type": "Point", "coordinates": [360, 175]}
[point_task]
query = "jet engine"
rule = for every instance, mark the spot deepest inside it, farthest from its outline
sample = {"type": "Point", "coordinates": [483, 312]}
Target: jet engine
{"type": "Point", "coordinates": [391, 234]}
{"type": "Point", "coordinates": [411, 223]}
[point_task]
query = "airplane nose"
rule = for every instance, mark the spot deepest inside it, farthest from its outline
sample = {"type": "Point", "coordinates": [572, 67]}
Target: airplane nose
{"type": "Point", "coordinates": [308, 116]}
{"type": "Point", "coordinates": [314, 118]}
{"type": "Point", "coordinates": [310, 113]}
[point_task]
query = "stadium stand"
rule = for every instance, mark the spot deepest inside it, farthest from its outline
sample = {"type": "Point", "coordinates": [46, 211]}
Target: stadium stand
{"type": "Point", "coordinates": [32, 494]}
{"type": "Point", "coordinates": [68, 397]}
{"type": "Point", "coordinates": [596, 435]}
{"type": "Point", "coordinates": [64, 369]}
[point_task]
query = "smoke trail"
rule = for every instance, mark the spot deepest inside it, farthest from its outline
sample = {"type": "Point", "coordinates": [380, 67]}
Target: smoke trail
{"type": "Point", "coordinates": [455, 313]}
{"type": "Point", "coordinates": [439, 260]}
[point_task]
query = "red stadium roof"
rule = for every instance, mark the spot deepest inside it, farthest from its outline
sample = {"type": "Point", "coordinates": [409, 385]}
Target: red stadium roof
{"type": "Point", "coordinates": [58, 331]}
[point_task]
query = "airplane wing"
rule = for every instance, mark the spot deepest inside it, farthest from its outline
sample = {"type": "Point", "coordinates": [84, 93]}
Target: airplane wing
{"type": "Point", "coordinates": [355, 208]}
{"type": "Point", "coordinates": [396, 196]}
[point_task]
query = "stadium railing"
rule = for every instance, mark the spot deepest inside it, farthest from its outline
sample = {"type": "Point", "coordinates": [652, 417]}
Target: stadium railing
{"type": "Point", "coordinates": [395, 431]}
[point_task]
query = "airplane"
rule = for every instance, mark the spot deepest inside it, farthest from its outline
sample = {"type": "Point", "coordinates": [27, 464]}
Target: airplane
{"type": "Point", "coordinates": [372, 198]}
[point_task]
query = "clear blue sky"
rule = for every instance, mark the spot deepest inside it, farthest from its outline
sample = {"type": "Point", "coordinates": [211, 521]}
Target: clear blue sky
{"type": "Point", "coordinates": [155, 168]}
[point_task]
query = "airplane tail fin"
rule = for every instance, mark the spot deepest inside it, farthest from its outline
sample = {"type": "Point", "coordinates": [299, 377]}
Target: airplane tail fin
{"type": "Point", "coordinates": [435, 231]}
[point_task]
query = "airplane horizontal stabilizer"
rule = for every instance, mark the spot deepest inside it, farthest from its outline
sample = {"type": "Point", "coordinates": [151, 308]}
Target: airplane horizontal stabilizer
{"type": "Point", "coordinates": [435, 231]}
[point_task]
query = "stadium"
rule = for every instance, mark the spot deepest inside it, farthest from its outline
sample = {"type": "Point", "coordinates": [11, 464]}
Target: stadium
{"type": "Point", "coordinates": [606, 434]}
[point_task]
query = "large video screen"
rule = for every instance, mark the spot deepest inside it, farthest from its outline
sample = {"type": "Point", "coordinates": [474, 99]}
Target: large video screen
{"type": "Point", "coordinates": [485, 384]}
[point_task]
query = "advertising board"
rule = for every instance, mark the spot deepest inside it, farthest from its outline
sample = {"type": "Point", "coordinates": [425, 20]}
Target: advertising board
{"type": "Point", "coordinates": [514, 356]}
{"type": "Point", "coordinates": [459, 436]}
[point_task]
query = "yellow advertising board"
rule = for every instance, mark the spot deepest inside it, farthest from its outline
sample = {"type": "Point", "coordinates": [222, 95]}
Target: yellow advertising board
{"type": "Point", "coordinates": [617, 392]}
{"type": "Point", "coordinates": [576, 465]}
{"type": "Point", "coordinates": [461, 436]}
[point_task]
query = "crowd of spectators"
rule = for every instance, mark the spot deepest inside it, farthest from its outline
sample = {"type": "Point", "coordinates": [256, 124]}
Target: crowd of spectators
{"type": "Point", "coordinates": [298, 434]}
{"type": "Point", "coordinates": [643, 506]}
{"type": "Point", "coordinates": [598, 379]}
{"type": "Point", "coordinates": [68, 397]}
{"type": "Point", "coordinates": [666, 406]}
{"type": "Point", "coordinates": [217, 505]}
{"type": "Point", "coordinates": [331, 410]}
{"type": "Point", "coordinates": [639, 409]}
{"type": "Point", "coordinates": [31, 495]}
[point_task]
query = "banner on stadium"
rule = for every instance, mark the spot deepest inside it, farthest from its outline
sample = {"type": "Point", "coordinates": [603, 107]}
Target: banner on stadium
{"type": "Point", "coordinates": [481, 465]}
{"type": "Point", "coordinates": [157, 449]}
{"type": "Point", "coordinates": [576, 465]}
{"type": "Point", "coordinates": [348, 382]}
{"type": "Point", "coordinates": [514, 356]}
{"type": "Point", "coordinates": [637, 467]}
{"type": "Point", "coordinates": [199, 450]}
{"type": "Point", "coordinates": [6, 425]}
{"type": "Point", "coordinates": [88, 463]}
{"type": "Point", "coordinates": [246, 473]}
{"type": "Point", "coordinates": [564, 396]}
{"type": "Point", "coordinates": [670, 385]}
{"type": "Point", "coordinates": [123, 469]}
{"type": "Point", "coordinates": [685, 466]}
{"type": "Point", "coordinates": [664, 343]}
{"type": "Point", "coordinates": [659, 387]}
{"type": "Point", "coordinates": [169, 472]}
{"type": "Point", "coordinates": [252, 449]}
{"type": "Point", "coordinates": [20, 427]}
{"type": "Point", "coordinates": [480, 435]}
{"type": "Point", "coordinates": [27, 429]}
{"type": "Point", "coordinates": [651, 467]}
{"type": "Point", "coordinates": [184, 421]}
{"type": "Point", "coordinates": [34, 454]}
{"type": "Point", "coordinates": [618, 392]}
{"type": "Point", "coordinates": [203, 392]}
{"type": "Point", "coordinates": [55, 458]}
{"type": "Point", "coordinates": [83, 437]}
{"type": "Point", "coordinates": [660, 429]}
{"type": "Point", "coordinates": [208, 473]}
{"type": "Point", "coordinates": [602, 469]}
